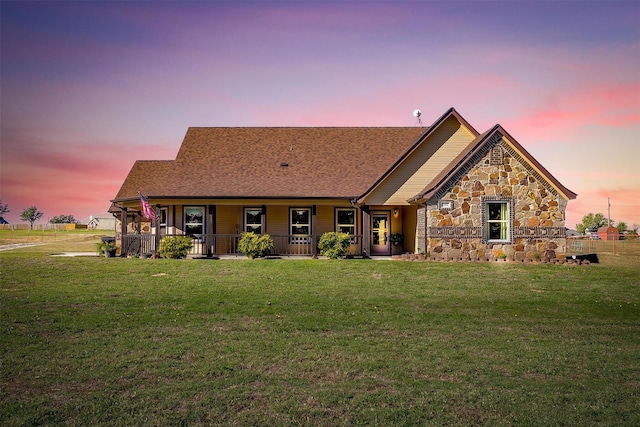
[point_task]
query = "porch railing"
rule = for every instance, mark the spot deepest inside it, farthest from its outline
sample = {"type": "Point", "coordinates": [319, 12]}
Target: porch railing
{"type": "Point", "coordinates": [227, 244]}
{"type": "Point", "coordinates": [138, 244]}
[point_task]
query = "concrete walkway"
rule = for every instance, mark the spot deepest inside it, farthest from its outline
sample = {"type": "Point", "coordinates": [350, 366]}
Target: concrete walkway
{"type": "Point", "coordinates": [19, 245]}
{"type": "Point", "coordinates": [76, 254]}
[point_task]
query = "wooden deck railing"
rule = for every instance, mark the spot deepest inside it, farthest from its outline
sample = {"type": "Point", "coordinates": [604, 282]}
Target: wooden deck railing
{"type": "Point", "coordinates": [227, 244]}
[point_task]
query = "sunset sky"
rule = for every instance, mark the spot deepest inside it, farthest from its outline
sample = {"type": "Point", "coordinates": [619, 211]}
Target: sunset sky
{"type": "Point", "coordinates": [87, 88]}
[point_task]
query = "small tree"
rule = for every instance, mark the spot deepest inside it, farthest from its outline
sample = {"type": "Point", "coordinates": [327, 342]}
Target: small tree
{"type": "Point", "coordinates": [591, 222]}
{"type": "Point", "coordinates": [63, 219]}
{"type": "Point", "coordinates": [622, 227]}
{"type": "Point", "coordinates": [254, 246]}
{"type": "Point", "coordinates": [334, 245]}
{"type": "Point", "coordinates": [31, 215]}
{"type": "Point", "coordinates": [3, 208]}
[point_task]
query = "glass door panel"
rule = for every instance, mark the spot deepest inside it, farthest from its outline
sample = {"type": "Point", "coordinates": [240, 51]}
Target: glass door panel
{"type": "Point", "coordinates": [380, 244]}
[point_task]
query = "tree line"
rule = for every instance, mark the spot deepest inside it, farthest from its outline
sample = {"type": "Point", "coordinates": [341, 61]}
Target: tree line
{"type": "Point", "coordinates": [591, 222]}
{"type": "Point", "coordinates": [32, 214]}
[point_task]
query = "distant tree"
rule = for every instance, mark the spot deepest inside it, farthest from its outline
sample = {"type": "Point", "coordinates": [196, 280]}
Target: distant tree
{"type": "Point", "coordinates": [31, 215]}
{"type": "Point", "coordinates": [3, 208]}
{"type": "Point", "coordinates": [63, 219]}
{"type": "Point", "coordinates": [591, 222]}
{"type": "Point", "coordinates": [622, 227]}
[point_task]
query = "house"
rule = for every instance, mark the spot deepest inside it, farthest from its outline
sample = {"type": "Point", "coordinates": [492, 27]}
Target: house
{"type": "Point", "coordinates": [448, 189]}
{"type": "Point", "coordinates": [101, 222]}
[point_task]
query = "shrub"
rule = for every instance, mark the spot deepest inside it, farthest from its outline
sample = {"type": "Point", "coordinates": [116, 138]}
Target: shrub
{"type": "Point", "coordinates": [175, 247]}
{"type": "Point", "coordinates": [334, 245]}
{"type": "Point", "coordinates": [253, 245]}
{"type": "Point", "coordinates": [108, 249]}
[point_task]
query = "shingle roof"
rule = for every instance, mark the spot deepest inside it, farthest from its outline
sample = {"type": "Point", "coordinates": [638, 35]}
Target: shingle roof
{"type": "Point", "coordinates": [272, 162]}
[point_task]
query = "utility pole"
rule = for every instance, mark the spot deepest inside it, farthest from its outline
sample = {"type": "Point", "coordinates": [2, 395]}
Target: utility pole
{"type": "Point", "coordinates": [608, 212]}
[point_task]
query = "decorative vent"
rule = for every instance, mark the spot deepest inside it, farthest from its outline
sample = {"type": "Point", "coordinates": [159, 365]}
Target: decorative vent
{"type": "Point", "coordinates": [496, 156]}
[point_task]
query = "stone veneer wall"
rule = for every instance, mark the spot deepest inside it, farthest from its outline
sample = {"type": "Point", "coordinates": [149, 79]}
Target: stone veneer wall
{"type": "Point", "coordinates": [537, 211]}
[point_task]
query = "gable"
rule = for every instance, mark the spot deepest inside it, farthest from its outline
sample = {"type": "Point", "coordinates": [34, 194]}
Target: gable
{"type": "Point", "coordinates": [445, 140]}
{"type": "Point", "coordinates": [476, 151]}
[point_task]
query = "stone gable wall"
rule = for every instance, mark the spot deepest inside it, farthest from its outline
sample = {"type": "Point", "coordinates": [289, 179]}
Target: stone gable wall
{"type": "Point", "coordinates": [537, 211]}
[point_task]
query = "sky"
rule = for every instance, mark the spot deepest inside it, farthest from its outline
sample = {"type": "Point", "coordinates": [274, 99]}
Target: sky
{"type": "Point", "coordinates": [87, 88]}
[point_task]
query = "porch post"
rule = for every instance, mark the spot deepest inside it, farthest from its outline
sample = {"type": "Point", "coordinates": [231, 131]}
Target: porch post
{"type": "Point", "coordinates": [123, 230]}
{"type": "Point", "coordinates": [210, 230]}
{"type": "Point", "coordinates": [138, 223]}
{"type": "Point", "coordinates": [156, 222]}
{"type": "Point", "coordinates": [314, 245]}
{"type": "Point", "coordinates": [366, 230]}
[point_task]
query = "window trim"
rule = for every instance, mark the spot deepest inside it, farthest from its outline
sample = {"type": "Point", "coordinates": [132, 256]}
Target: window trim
{"type": "Point", "coordinates": [337, 225]}
{"type": "Point", "coordinates": [508, 201]}
{"type": "Point", "coordinates": [296, 237]}
{"type": "Point", "coordinates": [163, 226]}
{"type": "Point", "coordinates": [202, 224]}
{"type": "Point", "coordinates": [244, 218]}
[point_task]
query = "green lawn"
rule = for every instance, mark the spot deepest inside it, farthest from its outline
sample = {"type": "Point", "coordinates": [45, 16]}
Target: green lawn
{"type": "Point", "coordinates": [97, 341]}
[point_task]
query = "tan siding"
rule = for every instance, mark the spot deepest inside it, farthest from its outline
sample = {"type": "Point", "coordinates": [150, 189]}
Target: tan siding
{"type": "Point", "coordinates": [229, 219]}
{"type": "Point", "coordinates": [423, 165]}
{"type": "Point", "coordinates": [324, 219]}
{"type": "Point", "coordinates": [409, 218]}
{"type": "Point", "coordinates": [278, 220]}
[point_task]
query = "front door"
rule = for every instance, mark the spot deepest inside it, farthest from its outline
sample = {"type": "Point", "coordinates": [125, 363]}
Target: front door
{"type": "Point", "coordinates": [380, 233]}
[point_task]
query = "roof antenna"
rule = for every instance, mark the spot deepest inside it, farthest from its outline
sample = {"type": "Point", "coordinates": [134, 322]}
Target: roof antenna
{"type": "Point", "coordinates": [417, 113]}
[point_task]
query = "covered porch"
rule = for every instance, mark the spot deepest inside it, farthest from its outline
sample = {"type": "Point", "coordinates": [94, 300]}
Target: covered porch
{"type": "Point", "coordinates": [295, 227]}
{"type": "Point", "coordinates": [227, 244]}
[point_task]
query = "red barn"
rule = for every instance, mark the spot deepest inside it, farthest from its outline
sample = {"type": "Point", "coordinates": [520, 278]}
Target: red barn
{"type": "Point", "coordinates": [608, 233]}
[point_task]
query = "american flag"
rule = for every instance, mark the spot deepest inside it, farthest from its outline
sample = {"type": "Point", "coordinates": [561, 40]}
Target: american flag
{"type": "Point", "coordinates": [147, 210]}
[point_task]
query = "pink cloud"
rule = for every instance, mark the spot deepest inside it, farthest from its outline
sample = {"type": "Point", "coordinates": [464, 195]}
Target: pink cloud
{"type": "Point", "coordinates": [568, 112]}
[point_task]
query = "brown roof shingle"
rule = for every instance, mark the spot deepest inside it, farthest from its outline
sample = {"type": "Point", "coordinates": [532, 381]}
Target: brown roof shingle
{"type": "Point", "coordinates": [250, 162]}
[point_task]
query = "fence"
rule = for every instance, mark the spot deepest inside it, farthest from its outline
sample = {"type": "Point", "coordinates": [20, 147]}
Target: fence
{"type": "Point", "coordinates": [43, 227]}
{"type": "Point", "coordinates": [582, 245]}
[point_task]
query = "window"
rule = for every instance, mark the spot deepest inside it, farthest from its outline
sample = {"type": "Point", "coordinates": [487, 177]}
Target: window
{"type": "Point", "coordinates": [300, 223]}
{"type": "Point", "coordinates": [497, 217]}
{"type": "Point", "coordinates": [162, 221]}
{"type": "Point", "coordinates": [346, 221]}
{"type": "Point", "coordinates": [193, 220]}
{"type": "Point", "coordinates": [253, 220]}
{"type": "Point", "coordinates": [446, 204]}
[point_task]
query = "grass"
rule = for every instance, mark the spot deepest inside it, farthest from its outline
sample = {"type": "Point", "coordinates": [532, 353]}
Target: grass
{"type": "Point", "coordinates": [74, 237]}
{"type": "Point", "coordinates": [97, 341]}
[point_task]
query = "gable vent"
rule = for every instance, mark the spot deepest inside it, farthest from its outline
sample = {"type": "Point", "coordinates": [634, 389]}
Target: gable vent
{"type": "Point", "coordinates": [284, 164]}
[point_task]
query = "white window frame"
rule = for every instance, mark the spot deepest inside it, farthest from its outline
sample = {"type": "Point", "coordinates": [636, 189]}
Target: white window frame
{"type": "Point", "coordinates": [299, 237]}
{"type": "Point", "coordinates": [339, 226]}
{"type": "Point", "coordinates": [503, 223]}
{"type": "Point", "coordinates": [247, 226]}
{"type": "Point", "coordinates": [193, 223]}
{"type": "Point", "coordinates": [162, 220]}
